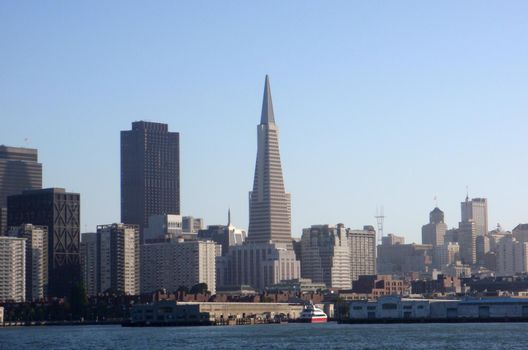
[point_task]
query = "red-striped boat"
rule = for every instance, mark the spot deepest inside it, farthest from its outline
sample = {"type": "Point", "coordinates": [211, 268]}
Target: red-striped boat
{"type": "Point", "coordinates": [312, 314]}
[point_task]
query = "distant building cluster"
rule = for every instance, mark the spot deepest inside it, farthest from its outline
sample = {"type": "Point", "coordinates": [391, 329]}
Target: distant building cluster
{"type": "Point", "coordinates": [153, 247]}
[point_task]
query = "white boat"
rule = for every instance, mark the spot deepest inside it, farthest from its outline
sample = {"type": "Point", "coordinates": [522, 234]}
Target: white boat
{"type": "Point", "coordinates": [312, 314]}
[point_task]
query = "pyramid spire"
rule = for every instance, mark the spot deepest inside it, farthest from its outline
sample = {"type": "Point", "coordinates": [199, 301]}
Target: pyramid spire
{"type": "Point", "coordinates": [267, 116]}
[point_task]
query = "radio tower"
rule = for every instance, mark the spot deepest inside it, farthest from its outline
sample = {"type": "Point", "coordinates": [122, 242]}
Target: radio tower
{"type": "Point", "coordinates": [379, 218]}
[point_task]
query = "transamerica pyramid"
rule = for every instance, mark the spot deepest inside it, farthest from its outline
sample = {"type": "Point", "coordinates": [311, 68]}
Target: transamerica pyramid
{"type": "Point", "coordinates": [269, 204]}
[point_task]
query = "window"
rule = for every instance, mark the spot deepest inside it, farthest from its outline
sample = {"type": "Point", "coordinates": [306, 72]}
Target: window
{"type": "Point", "coordinates": [357, 308]}
{"type": "Point", "coordinates": [389, 306]}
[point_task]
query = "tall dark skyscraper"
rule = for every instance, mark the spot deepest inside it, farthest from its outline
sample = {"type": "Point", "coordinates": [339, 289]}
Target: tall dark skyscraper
{"type": "Point", "coordinates": [150, 173]}
{"type": "Point", "coordinates": [269, 204]}
{"type": "Point", "coordinates": [19, 171]}
{"type": "Point", "coordinates": [60, 212]}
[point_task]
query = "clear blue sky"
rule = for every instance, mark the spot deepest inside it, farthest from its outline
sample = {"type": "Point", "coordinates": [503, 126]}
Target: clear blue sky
{"type": "Point", "coordinates": [378, 102]}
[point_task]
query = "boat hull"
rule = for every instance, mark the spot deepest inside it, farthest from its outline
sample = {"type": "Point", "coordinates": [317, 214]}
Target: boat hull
{"type": "Point", "coordinates": [314, 320]}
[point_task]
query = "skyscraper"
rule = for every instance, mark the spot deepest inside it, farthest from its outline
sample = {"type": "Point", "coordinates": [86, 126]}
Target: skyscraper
{"type": "Point", "coordinates": [59, 211]}
{"type": "Point", "coordinates": [19, 171]}
{"type": "Point", "coordinates": [269, 204]}
{"type": "Point", "coordinates": [433, 233]}
{"type": "Point", "coordinates": [150, 172]}
{"type": "Point", "coordinates": [476, 209]}
{"type": "Point", "coordinates": [267, 257]}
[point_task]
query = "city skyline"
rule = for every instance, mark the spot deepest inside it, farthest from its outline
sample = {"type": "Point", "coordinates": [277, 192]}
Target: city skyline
{"type": "Point", "coordinates": [442, 116]}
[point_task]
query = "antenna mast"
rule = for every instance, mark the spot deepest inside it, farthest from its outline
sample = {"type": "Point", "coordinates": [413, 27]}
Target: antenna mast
{"type": "Point", "coordinates": [380, 216]}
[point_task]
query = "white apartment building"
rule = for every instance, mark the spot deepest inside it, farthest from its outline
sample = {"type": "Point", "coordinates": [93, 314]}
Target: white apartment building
{"type": "Point", "coordinates": [36, 258]}
{"type": "Point", "coordinates": [178, 263]}
{"type": "Point", "coordinates": [110, 259]}
{"type": "Point", "coordinates": [12, 269]}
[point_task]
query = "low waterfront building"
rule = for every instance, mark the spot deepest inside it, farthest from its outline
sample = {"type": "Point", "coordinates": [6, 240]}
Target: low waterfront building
{"type": "Point", "coordinates": [467, 309]}
{"type": "Point", "coordinates": [12, 269]}
{"type": "Point", "coordinates": [168, 312]}
{"type": "Point", "coordinates": [389, 307]}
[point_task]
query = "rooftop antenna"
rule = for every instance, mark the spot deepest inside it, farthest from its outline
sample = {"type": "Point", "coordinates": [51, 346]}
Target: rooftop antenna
{"type": "Point", "coordinates": [467, 193]}
{"type": "Point", "coordinates": [380, 216]}
{"type": "Point", "coordinates": [435, 198]}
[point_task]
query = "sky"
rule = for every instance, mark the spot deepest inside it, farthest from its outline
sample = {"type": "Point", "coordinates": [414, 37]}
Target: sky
{"type": "Point", "coordinates": [378, 103]}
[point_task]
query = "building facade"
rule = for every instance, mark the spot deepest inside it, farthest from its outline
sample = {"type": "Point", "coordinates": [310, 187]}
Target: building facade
{"type": "Point", "coordinates": [512, 257]}
{"type": "Point", "coordinates": [192, 224]}
{"type": "Point", "coordinates": [59, 211]}
{"type": "Point", "coordinates": [150, 172]}
{"type": "Point", "coordinates": [267, 257]}
{"type": "Point", "coordinates": [12, 269]}
{"type": "Point", "coordinates": [174, 264]}
{"type": "Point", "coordinates": [404, 258]}
{"type": "Point", "coordinates": [19, 171]}
{"type": "Point", "coordinates": [326, 256]}
{"type": "Point", "coordinates": [163, 226]}
{"type": "Point", "coordinates": [36, 258]}
{"type": "Point", "coordinates": [476, 210]}
{"type": "Point", "coordinates": [433, 233]}
{"type": "Point", "coordinates": [118, 255]}
{"type": "Point", "coordinates": [362, 245]}
{"type": "Point", "coordinates": [90, 262]}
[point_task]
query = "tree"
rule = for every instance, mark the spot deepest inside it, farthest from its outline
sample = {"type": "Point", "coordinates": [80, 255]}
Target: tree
{"type": "Point", "coordinates": [78, 301]}
{"type": "Point", "coordinates": [183, 289]}
{"type": "Point", "coordinates": [200, 288]}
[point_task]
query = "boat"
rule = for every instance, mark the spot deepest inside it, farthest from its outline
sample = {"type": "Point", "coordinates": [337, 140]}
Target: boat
{"type": "Point", "coordinates": [312, 314]}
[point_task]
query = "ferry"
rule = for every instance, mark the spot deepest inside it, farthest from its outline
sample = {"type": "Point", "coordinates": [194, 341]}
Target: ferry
{"type": "Point", "coordinates": [312, 314]}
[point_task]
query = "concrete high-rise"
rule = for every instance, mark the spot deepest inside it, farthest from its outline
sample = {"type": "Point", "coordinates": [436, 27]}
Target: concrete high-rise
{"type": "Point", "coordinates": [267, 257]}
{"type": "Point", "coordinates": [110, 259]}
{"type": "Point", "coordinates": [150, 172]}
{"type": "Point", "coordinates": [89, 262]}
{"type": "Point", "coordinates": [269, 204]}
{"type": "Point", "coordinates": [326, 256]}
{"type": "Point", "coordinates": [512, 257]}
{"type": "Point", "coordinates": [59, 211]}
{"type": "Point", "coordinates": [476, 209]}
{"type": "Point", "coordinates": [19, 171]}
{"type": "Point", "coordinates": [36, 258]}
{"type": "Point", "coordinates": [433, 233]}
{"type": "Point", "coordinates": [12, 269]}
{"type": "Point", "coordinates": [362, 245]}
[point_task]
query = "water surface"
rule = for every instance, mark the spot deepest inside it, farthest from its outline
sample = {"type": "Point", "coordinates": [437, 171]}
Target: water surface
{"type": "Point", "coordinates": [290, 336]}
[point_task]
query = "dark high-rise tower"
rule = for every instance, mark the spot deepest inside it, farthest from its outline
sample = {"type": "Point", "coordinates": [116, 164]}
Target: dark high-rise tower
{"type": "Point", "coordinates": [19, 171]}
{"type": "Point", "coordinates": [59, 211]}
{"type": "Point", "coordinates": [269, 204]}
{"type": "Point", "coordinates": [150, 172]}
